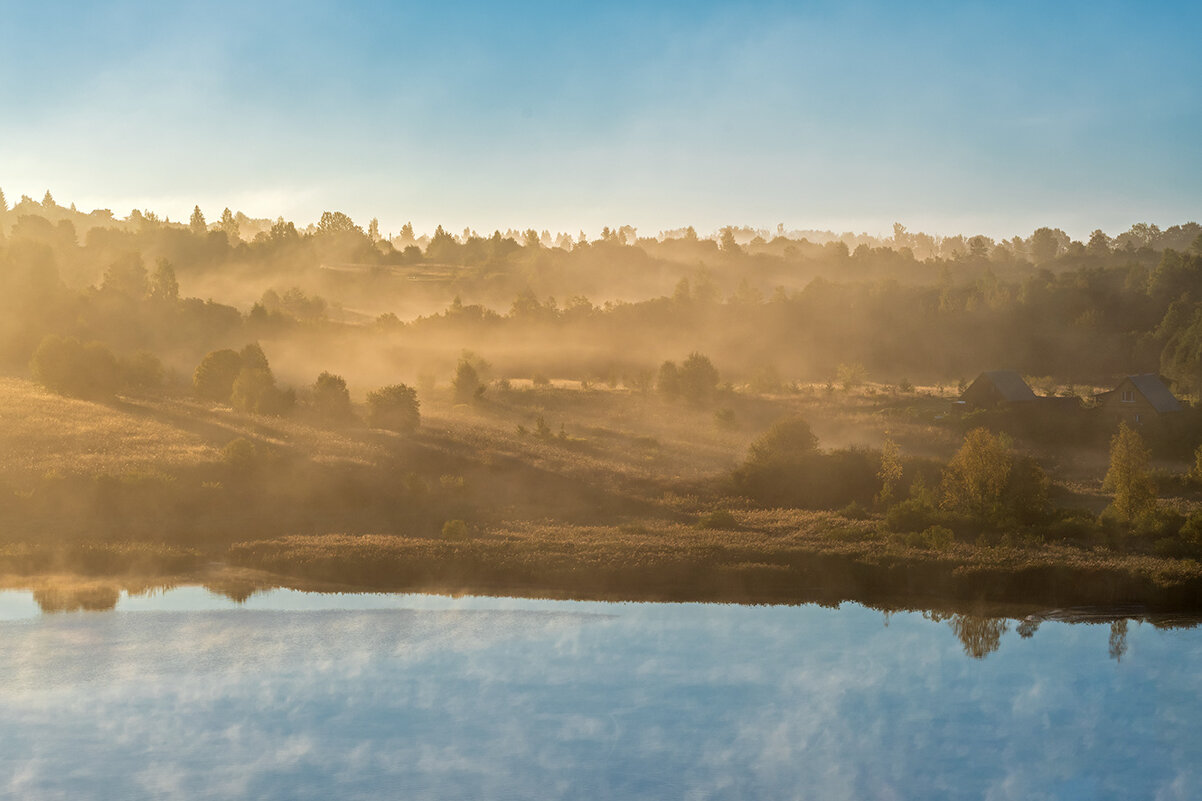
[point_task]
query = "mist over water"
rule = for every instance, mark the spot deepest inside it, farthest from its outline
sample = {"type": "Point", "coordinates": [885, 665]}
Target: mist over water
{"type": "Point", "coordinates": [303, 696]}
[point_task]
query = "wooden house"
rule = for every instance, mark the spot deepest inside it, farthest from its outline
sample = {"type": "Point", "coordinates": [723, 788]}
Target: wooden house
{"type": "Point", "coordinates": [997, 388]}
{"type": "Point", "coordinates": [1139, 400]}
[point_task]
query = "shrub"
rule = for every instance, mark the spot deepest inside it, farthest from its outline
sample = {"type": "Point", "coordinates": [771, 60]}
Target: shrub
{"type": "Point", "coordinates": [724, 418]}
{"type": "Point", "coordinates": [215, 375]}
{"type": "Point", "coordinates": [454, 530]}
{"type": "Point", "coordinates": [142, 371]}
{"type": "Point", "coordinates": [255, 391]}
{"type": "Point", "coordinates": [911, 515]}
{"type": "Point", "coordinates": [69, 367]}
{"type": "Point", "coordinates": [698, 378]}
{"type": "Point", "coordinates": [394, 408]}
{"type": "Point", "coordinates": [467, 382]}
{"type": "Point", "coordinates": [720, 519]}
{"type": "Point", "coordinates": [331, 398]}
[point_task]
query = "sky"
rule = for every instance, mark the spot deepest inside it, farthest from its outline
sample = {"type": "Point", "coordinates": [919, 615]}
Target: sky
{"type": "Point", "coordinates": [991, 118]}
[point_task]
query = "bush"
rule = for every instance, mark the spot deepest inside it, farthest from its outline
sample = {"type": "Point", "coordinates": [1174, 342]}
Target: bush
{"type": "Point", "coordinates": [215, 375]}
{"type": "Point", "coordinates": [395, 408]}
{"type": "Point", "coordinates": [785, 467]}
{"type": "Point", "coordinates": [720, 519]}
{"type": "Point", "coordinates": [467, 382]}
{"type": "Point", "coordinates": [911, 515]}
{"type": "Point", "coordinates": [454, 530]}
{"type": "Point", "coordinates": [331, 398]}
{"type": "Point", "coordinates": [255, 391]}
{"type": "Point", "coordinates": [69, 367]}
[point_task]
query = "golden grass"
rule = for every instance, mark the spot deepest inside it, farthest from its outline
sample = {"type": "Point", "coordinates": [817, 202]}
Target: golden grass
{"type": "Point", "coordinates": [44, 432]}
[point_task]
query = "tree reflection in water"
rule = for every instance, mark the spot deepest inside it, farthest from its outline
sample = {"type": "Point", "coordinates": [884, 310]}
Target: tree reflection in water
{"type": "Point", "coordinates": [1118, 639]}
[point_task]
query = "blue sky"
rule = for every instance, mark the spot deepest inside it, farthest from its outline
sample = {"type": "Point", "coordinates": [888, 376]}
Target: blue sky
{"type": "Point", "coordinates": [948, 117]}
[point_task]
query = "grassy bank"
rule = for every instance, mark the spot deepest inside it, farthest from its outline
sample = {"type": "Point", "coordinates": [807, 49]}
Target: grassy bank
{"type": "Point", "coordinates": [678, 563]}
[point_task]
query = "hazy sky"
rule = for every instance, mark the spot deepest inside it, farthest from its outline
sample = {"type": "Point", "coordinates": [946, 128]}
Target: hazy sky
{"type": "Point", "coordinates": [948, 117]}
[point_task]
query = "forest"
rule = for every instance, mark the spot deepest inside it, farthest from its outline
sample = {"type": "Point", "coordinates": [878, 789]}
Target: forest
{"type": "Point", "coordinates": [732, 416]}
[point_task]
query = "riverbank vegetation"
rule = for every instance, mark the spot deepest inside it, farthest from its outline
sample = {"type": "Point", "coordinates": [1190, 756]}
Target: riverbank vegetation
{"type": "Point", "coordinates": [760, 416]}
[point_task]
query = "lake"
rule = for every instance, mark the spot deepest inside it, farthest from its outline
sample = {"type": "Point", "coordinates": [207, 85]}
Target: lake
{"type": "Point", "coordinates": [293, 695]}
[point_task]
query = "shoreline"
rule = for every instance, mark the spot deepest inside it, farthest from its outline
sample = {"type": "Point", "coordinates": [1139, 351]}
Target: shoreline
{"type": "Point", "coordinates": [604, 564]}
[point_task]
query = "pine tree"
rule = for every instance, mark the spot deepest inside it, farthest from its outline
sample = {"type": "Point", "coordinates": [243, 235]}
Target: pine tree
{"type": "Point", "coordinates": [229, 225]}
{"type": "Point", "coordinates": [48, 200]}
{"type": "Point", "coordinates": [3, 202]}
{"type": "Point", "coordinates": [197, 223]}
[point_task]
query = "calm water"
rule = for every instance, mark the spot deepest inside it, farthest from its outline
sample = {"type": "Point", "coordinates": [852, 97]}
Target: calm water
{"type": "Point", "coordinates": [293, 695]}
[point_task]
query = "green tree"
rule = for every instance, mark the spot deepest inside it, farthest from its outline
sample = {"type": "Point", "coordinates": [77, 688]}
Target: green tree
{"type": "Point", "coordinates": [1128, 476]}
{"type": "Point", "coordinates": [976, 477]}
{"type": "Point", "coordinates": [395, 408]}
{"type": "Point", "coordinates": [331, 398]}
{"type": "Point", "coordinates": [197, 222]}
{"type": "Point", "coordinates": [215, 375]}
{"type": "Point", "coordinates": [891, 471]}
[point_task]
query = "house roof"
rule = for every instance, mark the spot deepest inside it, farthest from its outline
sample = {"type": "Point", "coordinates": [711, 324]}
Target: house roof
{"type": "Point", "coordinates": [1155, 392]}
{"type": "Point", "coordinates": [1010, 384]}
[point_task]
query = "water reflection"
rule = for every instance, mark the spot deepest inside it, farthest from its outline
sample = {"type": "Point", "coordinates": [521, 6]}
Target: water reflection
{"type": "Point", "coordinates": [290, 696]}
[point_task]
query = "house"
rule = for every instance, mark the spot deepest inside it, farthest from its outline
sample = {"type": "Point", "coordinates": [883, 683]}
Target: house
{"type": "Point", "coordinates": [997, 388]}
{"type": "Point", "coordinates": [1139, 400]}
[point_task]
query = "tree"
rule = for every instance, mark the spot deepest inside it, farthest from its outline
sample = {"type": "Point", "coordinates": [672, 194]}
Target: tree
{"type": "Point", "coordinates": [977, 476]}
{"type": "Point", "coordinates": [667, 382]}
{"type": "Point", "coordinates": [1128, 476]}
{"type": "Point", "coordinates": [197, 223]}
{"type": "Point", "coordinates": [126, 276]}
{"type": "Point", "coordinates": [373, 230]}
{"type": "Point", "coordinates": [215, 375]}
{"type": "Point", "coordinates": [3, 202]}
{"type": "Point", "coordinates": [698, 378]}
{"type": "Point", "coordinates": [254, 358]}
{"type": "Point", "coordinates": [48, 200]}
{"type": "Point", "coordinates": [331, 399]}
{"type": "Point", "coordinates": [891, 471]}
{"type": "Point", "coordinates": [229, 225]}
{"type": "Point", "coordinates": [395, 408]}
{"type": "Point", "coordinates": [466, 383]}
{"type": "Point", "coordinates": [254, 391]}
{"type": "Point", "coordinates": [163, 285]}
{"type": "Point", "coordinates": [1044, 245]}
{"type": "Point", "coordinates": [335, 222]}
{"type": "Point", "coordinates": [1099, 243]}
